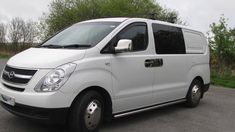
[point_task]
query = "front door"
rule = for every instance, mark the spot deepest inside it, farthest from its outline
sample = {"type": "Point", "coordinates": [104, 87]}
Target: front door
{"type": "Point", "coordinates": [132, 80]}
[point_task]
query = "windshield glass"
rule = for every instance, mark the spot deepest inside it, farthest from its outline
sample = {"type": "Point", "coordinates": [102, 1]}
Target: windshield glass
{"type": "Point", "coordinates": [83, 35]}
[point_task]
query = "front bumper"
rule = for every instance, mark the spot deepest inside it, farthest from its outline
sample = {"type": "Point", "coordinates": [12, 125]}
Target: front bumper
{"type": "Point", "coordinates": [55, 116]}
{"type": "Point", "coordinates": [51, 107]}
{"type": "Point", "coordinates": [56, 99]}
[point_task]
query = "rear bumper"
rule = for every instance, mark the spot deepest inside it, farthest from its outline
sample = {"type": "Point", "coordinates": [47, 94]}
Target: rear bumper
{"type": "Point", "coordinates": [45, 115]}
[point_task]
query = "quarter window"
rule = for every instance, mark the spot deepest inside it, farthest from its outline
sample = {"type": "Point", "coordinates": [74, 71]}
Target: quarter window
{"type": "Point", "coordinates": [168, 39]}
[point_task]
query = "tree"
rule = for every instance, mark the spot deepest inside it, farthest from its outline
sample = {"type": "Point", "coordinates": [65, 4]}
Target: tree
{"type": "Point", "coordinates": [233, 35]}
{"type": "Point", "coordinates": [222, 43]}
{"type": "Point", "coordinates": [22, 32]}
{"type": "Point", "coordinates": [16, 30]}
{"type": "Point", "coordinates": [2, 33]}
{"type": "Point", "coordinates": [29, 32]}
{"type": "Point", "coordinates": [63, 13]}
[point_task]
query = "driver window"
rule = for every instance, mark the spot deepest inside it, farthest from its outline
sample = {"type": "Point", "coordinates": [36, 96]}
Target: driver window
{"type": "Point", "coordinates": [136, 32]}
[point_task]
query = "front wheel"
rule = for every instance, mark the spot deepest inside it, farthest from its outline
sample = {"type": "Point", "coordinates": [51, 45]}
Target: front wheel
{"type": "Point", "coordinates": [194, 94]}
{"type": "Point", "coordinates": [87, 113]}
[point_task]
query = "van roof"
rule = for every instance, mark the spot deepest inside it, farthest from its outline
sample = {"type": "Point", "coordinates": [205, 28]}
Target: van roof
{"type": "Point", "coordinates": [122, 19]}
{"type": "Point", "coordinates": [115, 19]}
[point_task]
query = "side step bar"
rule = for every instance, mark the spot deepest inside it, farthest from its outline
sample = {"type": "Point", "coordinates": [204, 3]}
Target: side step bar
{"type": "Point", "coordinates": [122, 114]}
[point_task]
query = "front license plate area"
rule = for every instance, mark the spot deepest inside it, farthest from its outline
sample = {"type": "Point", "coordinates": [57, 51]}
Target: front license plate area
{"type": "Point", "coordinates": [7, 100]}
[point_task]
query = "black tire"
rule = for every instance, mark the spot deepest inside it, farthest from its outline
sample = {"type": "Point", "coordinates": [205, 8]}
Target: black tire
{"type": "Point", "coordinates": [79, 119]}
{"type": "Point", "coordinates": [194, 94]}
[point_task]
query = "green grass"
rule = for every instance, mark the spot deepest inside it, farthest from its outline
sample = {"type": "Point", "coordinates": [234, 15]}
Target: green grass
{"type": "Point", "coordinates": [223, 80]}
{"type": "Point", "coordinates": [4, 56]}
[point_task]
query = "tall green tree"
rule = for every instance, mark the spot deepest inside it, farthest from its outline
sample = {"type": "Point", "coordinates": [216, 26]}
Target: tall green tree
{"type": "Point", "coordinates": [222, 43]}
{"type": "Point", "coordinates": [63, 13]}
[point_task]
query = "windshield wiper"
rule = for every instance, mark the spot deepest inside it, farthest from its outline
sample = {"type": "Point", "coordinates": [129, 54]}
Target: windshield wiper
{"type": "Point", "coordinates": [76, 46]}
{"type": "Point", "coordinates": [51, 46]}
{"type": "Point", "coordinates": [66, 46]}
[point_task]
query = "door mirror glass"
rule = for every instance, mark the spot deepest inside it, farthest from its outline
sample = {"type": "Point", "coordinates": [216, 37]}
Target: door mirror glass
{"type": "Point", "coordinates": [123, 45]}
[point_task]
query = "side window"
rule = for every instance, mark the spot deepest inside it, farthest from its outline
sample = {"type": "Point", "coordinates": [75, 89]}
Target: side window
{"type": "Point", "coordinates": [136, 32]}
{"type": "Point", "coordinates": [168, 39]}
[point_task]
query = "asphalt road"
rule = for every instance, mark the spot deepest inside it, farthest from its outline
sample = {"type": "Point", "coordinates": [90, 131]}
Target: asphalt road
{"type": "Point", "coordinates": [216, 113]}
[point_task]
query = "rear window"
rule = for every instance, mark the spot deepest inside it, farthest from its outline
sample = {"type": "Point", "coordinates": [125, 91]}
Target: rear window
{"type": "Point", "coordinates": [195, 42]}
{"type": "Point", "coordinates": [168, 39]}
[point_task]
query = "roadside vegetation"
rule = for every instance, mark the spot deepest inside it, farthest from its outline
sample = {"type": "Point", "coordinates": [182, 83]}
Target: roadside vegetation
{"type": "Point", "coordinates": [5, 55]}
{"type": "Point", "coordinates": [20, 34]}
{"type": "Point", "coordinates": [222, 45]}
{"type": "Point", "coordinates": [226, 80]}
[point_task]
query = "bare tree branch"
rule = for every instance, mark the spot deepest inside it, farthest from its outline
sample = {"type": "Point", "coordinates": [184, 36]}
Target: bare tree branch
{"type": "Point", "coordinates": [2, 33]}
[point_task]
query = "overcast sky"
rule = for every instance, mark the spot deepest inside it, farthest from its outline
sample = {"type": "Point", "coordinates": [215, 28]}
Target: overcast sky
{"type": "Point", "coordinates": [201, 13]}
{"type": "Point", "coordinates": [27, 9]}
{"type": "Point", "coordinates": [198, 13]}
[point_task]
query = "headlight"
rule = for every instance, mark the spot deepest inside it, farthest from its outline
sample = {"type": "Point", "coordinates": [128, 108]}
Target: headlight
{"type": "Point", "coordinates": [55, 79]}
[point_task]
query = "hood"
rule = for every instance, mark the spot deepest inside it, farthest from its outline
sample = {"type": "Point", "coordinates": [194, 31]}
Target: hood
{"type": "Point", "coordinates": [45, 58]}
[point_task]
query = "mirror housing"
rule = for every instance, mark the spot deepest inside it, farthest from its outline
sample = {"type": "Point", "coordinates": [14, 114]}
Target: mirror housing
{"type": "Point", "coordinates": [123, 45]}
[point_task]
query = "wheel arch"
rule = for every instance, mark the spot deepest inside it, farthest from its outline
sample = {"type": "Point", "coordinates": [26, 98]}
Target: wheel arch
{"type": "Point", "coordinates": [202, 81]}
{"type": "Point", "coordinates": [107, 100]}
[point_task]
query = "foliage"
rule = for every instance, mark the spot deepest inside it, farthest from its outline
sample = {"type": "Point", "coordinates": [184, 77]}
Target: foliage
{"type": "Point", "coordinates": [222, 44]}
{"type": "Point", "coordinates": [226, 80]}
{"type": "Point", "coordinates": [4, 55]}
{"type": "Point", "coordinates": [64, 13]}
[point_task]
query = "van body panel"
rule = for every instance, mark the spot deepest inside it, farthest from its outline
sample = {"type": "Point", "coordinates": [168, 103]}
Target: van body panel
{"type": "Point", "coordinates": [130, 83]}
{"type": "Point", "coordinates": [170, 81]}
{"type": "Point", "coordinates": [90, 74]}
{"type": "Point", "coordinates": [42, 100]}
{"type": "Point", "coordinates": [36, 58]}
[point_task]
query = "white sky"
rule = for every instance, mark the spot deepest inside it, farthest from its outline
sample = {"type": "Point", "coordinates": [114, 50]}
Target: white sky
{"type": "Point", "coordinates": [27, 9]}
{"type": "Point", "coordinates": [198, 13]}
{"type": "Point", "coordinates": [201, 13]}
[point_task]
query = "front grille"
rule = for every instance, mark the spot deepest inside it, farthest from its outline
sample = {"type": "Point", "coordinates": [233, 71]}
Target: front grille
{"type": "Point", "coordinates": [18, 76]}
{"type": "Point", "coordinates": [14, 88]}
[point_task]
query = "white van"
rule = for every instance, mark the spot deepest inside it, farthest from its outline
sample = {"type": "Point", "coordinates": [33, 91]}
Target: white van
{"type": "Point", "coordinates": [104, 68]}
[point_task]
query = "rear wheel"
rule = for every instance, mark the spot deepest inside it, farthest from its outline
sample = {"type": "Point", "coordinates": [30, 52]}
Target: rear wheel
{"type": "Point", "coordinates": [194, 94]}
{"type": "Point", "coordinates": [87, 113]}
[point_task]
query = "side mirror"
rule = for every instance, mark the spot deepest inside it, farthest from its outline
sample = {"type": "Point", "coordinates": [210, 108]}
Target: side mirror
{"type": "Point", "coordinates": [123, 45]}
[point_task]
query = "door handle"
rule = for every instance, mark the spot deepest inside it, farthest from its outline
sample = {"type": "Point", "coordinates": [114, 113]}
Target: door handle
{"type": "Point", "coordinates": [154, 62]}
{"type": "Point", "coordinates": [149, 63]}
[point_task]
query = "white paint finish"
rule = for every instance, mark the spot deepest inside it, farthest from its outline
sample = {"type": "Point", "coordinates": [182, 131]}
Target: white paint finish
{"type": "Point", "coordinates": [117, 19]}
{"type": "Point", "coordinates": [42, 100]}
{"type": "Point", "coordinates": [132, 81]}
{"type": "Point", "coordinates": [45, 58]}
{"type": "Point", "coordinates": [200, 66]}
{"type": "Point", "coordinates": [170, 81]}
{"type": "Point", "coordinates": [124, 76]}
{"type": "Point", "coordinates": [95, 71]}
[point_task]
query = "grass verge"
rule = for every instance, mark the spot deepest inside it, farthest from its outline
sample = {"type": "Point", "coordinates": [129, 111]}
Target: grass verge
{"type": "Point", "coordinates": [5, 55]}
{"type": "Point", "coordinates": [223, 80]}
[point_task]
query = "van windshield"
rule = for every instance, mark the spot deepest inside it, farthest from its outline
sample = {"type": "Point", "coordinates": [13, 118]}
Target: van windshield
{"type": "Point", "coordinates": [82, 35]}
